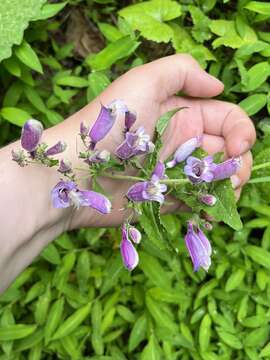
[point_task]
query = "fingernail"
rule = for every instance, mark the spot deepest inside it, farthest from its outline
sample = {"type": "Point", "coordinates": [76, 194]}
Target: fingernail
{"type": "Point", "coordinates": [235, 181]}
{"type": "Point", "coordinates": [244, 147]}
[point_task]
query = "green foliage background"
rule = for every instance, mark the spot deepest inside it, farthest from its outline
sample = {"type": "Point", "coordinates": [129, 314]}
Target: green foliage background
{"type": "Point", "coordinates": [76, 301]}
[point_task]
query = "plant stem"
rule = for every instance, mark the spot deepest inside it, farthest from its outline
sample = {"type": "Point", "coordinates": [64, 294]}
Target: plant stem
{"type": "Point", "coordinates": [136, 178]}
{"type": "Point", "coordinates": [261, 166]}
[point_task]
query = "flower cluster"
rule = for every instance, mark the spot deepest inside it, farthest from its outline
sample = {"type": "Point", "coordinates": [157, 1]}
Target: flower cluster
{"type": "Point", "coordinates": [152, 187]}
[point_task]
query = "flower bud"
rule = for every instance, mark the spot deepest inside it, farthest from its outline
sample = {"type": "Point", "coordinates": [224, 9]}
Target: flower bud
{"type": "Point", "coordinates": [58, 148]}
{"type": "Point", "coordinates": [102, 126]}
{"type": "Point", "coordinates": [130, 118]}
{"type": "Point", "coordinates": [128, 252]}
{"type": "Point", "coordinates": [134, 234]}
{"type": "Point", "coordinates": [208, 199]}
{"type": "Point", "coordinates": [83, 130]}
{"type": "Point", "coordinates": [31, 134]}
{"type": "Point", "coordinates": [184, 151]}
{"type": "Point", "coordinates": [19, 157]}
{"type": "Point", "coordinates": [64, 167]}
{"type": "Point", "coordinates": [227, 168]}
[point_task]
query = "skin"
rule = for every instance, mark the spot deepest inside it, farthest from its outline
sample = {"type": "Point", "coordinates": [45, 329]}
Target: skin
{"type": "Point", "coordinates": [28, 221]}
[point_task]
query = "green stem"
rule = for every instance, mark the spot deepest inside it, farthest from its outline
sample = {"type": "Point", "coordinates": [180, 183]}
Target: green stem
{"type": "Point", "coordinates": [261, 166]}
{"type": "Point", "coordinates": [122, 177]}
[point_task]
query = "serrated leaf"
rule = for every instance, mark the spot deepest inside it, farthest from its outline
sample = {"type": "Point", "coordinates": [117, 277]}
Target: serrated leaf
{"type": "Point", "coordinates": [15, 16]}
{"type": "Point", "coordinates": [149, 18]}
{"type": "Point", "coordinates": [164, 120]}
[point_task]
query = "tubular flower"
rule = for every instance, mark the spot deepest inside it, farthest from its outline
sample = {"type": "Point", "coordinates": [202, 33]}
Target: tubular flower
{"type": "Point", "coordinates": [135, 143]}
{"type": "Point", "coordinates": [31, 134]}
{"type": "Point", "coordinates": [58, 148]}
{"type": "Point", "coordinates": [184, 151]}
{"type": "Point", "coordinates": [199, 248]}
{"type": "Point", "coordinates": [200, 170]}
{"type": "Point", "coordinates": [227, 168]}
{"type": "Point", "coordinates": [159, 172]}
{"type": "Point", "coordinates": [128, 252]}
{"type": "Point", "coordinates": [66, 194]}
{"type": "Point", "coordinates": [147, 191]}
{"type": "Point", "coordinates": [105, 121]}
{"type": "Point", "coordinates": [64, 167]}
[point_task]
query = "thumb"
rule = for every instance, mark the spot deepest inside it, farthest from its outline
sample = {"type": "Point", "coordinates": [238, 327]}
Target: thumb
{"type": "Point", "coordinates": [172, 74]}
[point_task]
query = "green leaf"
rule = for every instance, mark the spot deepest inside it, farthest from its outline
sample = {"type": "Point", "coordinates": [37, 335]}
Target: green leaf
{"type": "Point", "coordinates": [51, 254]}
{"type": "Point", "coordinates": [110, 32]}
{"type": "Point", "coordinates": [161, 318]}
{"type": "Point", "coordinates": [232, 340]}
{"type": "Point", "coordinates": [260, 7]}
{"type": "Point", "coordinates": [18, 331]}
{"type": "Point", "coordinates": [72, 322]}
{"type": "Point", "coordinates": [257, 75]}
{"type": "Point", "coordinates": [27, 55]}
{"type": "Point", "coordinates": [164, 120]}
{"type": "Point", "coordinates": [226, 31]}
{"type": "Point", "coordinates": [154, 271]}
{"type": "Point", "coordinates": [98, 82]}
{"type": "Point", "coordinates": [72, 81]}
{"type": "Point", "coordinates": [149, 18]}
{"type": "Point", "coordinates": [235, 280]}
{"type": "Point", "coordinates": [205, 332]}
{"type": "Point", "coordinates": [113, 52]}
{"type": "Point", "coordinates": [258, 255]}
{"type": "Point", "coordinates": [151, 350]}
{"type": "Point", "coordinates": [15, 16]}
{"type": "Point", "coordinates": [253, 103]}
{"type": "Point", "coordinates": [149, 220]}
{"type": "Point", "coordinates": [49, 10]}
{"type": "Point", "coordinates": [14, 115]}
{"type": "Point", "coordinates": [138, 333]}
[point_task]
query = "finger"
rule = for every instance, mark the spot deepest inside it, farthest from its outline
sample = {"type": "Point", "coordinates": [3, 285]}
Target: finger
{"type": "Point", "coordinates": [213, 144]}
{"type": "Point", "coordinates": [243, 174]}
{"type": "Point", "coordinates": [172, 74]}
{"type": "Point", "coordinates": [238, 193]}
{"type": "Point", "coordinates": [218, 118]}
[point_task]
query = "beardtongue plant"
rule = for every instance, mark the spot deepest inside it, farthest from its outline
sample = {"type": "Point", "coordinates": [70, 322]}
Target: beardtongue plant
{"type": "Point", "coordinates": [200, 181]}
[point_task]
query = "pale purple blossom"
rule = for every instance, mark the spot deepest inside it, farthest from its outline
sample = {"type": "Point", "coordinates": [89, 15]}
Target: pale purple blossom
{"type": "Point", "coordinates": [208, 199]}
{"type": "Point", "coordinates": [105, 121]}
{"type": "Point", "coordinates": [58, 148]}
{"type": "Point", "coordinates": [199, 247]}
{"type": "Point", "coordinates": [31, 134]}
{"type": "Point", "coordinates": [158, 172]}
{"type": "Point", "coordinates": [227, 168]}
{"type": "Point", "coordinates": [147, 191]}
{"type": "Point", "coordinates": [128, 252]}
{"type": "Point", "coordinates": [184, 151]}
{"type": "Point", "coordinates": [134, 234]}
{"type": "Point", "coordinates": [66, 194]}
{"type": "Point", "coordinates": [135, 143]}
{"type": "Point", "coordinates": [200, 170]}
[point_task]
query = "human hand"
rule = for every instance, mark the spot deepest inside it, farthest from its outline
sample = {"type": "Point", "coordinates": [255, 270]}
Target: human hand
{"type": "Point", "coordinates": [150, 90]}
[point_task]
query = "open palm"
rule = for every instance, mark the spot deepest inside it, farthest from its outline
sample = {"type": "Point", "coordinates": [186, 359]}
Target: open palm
{"type": "Point", "coordinates": [151, 91]}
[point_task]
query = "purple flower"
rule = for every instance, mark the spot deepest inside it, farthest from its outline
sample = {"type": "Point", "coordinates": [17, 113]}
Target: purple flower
{"type": "Point", "coordinates": [31, 134]}
{"type": "Point", "coordinates": [184, 151]}
{"type": "Point", "coordinates": [58, 148]}
{"type": "Point", "coordinates": [227, 168]}
{"type": "Point", "coordinates": [98, 157]}
{"type": "Point", "coordinates": [135, 143]}
{"type": "Point", "coordinates": [105, 121]}
{"type": "Point", "coordinates": [128, 252]}
{"type": "Point", "coordinates": [199, 248]}
{"type": "Point", "coordinates": [208, 199]}
{"type": "Point", "coordinates": [200, 170]}
{"type": "Point", "coordinates": [159, 172]}
{"type": "Point", "coordinates": [134, 234]}
{"type": "Point", "coordinates": [130, 118]}
{"type": "Point", "coordinates": [66, 194]}
{"type": "Point", "coordinates": [147, 191]}
{"type": "Point", "coordinates": [64, 167]}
